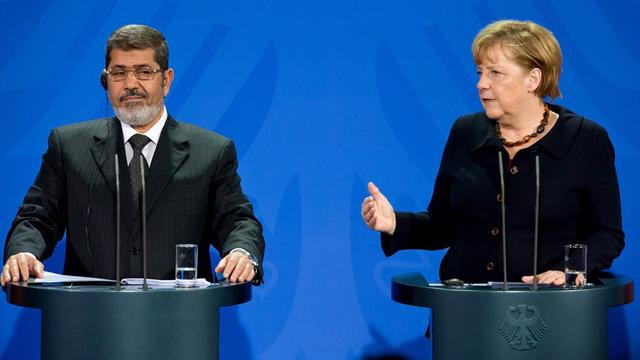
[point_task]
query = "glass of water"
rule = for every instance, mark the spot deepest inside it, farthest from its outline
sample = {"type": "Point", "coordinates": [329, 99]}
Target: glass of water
{"type": "Point", "coordinates": [575, 265]}
{"type": "Point", "coordinates": [186, 265]}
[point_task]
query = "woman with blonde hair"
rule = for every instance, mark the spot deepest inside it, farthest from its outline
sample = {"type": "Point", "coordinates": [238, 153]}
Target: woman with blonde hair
{"type": "Point", "coordinates": [485, 195]}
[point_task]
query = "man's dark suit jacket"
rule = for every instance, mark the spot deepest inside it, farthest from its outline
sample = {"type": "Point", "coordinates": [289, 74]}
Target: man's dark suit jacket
{"type": "Point", "coordinates": [193, 196]}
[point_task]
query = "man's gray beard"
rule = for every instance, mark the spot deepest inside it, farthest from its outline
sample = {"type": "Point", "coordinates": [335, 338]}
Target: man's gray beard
{"type": "Point", "coordinates": [138, 115]}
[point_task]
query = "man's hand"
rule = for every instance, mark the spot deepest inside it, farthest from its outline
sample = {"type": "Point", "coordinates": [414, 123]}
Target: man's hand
{"type": "Point", "coordinates": [236, 267]}
{"type": "Point", "coordinates": [553, 277]}
{"type": "Point", "coordinates": [19, 266]}
{"type": "Point", "coordinates": [377, 212]}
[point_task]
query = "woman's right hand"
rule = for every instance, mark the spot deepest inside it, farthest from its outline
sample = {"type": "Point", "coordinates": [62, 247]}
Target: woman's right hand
{"type": "Point", "coordinates": [377, 212]}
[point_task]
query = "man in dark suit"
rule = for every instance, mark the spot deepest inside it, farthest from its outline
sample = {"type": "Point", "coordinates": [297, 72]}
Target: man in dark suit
{"type": "Point", "coordinates": [193, 192]}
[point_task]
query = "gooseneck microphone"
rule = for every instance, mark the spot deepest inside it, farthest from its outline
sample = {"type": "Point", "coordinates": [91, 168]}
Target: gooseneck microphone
{"type": "Point", "coordinates": [505, 286]}
{"type": "Point", "coordinates": [117, 170]}
{"type": "Point", "coordinates": [535, 229]}
{"type": "Point", "coordinates": [143, 191]}
{"type": "Point", "coordinates": [86, 232]}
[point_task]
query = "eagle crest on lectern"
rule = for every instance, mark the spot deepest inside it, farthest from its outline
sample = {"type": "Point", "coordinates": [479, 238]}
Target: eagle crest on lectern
{"type": "Point", "coordinates": [522, 327]}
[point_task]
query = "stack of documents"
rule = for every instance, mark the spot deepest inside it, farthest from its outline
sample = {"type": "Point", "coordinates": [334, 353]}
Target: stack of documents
{"type": "Point", "coordinates": [51, 278]}
{"type": "Point", "coordinates": [54, 278]}
{"type": "Point", "coordinates": [161, 283]}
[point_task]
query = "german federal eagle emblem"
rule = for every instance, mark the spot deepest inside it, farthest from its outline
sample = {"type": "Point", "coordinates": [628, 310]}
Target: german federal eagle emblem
{"type": "Point", "coordinates": [522, 327]}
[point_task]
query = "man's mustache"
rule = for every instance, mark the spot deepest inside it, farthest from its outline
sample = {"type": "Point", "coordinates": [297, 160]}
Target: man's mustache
{"type": "Point", "coordinates": [132, 92]}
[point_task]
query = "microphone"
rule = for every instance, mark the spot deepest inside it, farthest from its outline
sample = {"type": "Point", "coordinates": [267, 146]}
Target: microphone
{"type": "Point", "coordinates": [505, 286]}
{"type": "Point", "coordinates": [536, 222]}
{"type": "Point", "coordinates": [143, 191]}
{"type": "Point", "coordinates": [86, 231]}
{"type": "Point", "coordinates": [117, 170]}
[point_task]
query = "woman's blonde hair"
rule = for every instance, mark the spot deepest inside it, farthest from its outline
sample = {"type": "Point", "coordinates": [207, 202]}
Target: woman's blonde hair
{"type": "Point", "coordinates": [530, 46]}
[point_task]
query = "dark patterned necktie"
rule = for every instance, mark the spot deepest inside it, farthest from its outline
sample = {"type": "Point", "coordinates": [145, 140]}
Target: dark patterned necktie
{"type": "Point", "coordinates": [137, 143]}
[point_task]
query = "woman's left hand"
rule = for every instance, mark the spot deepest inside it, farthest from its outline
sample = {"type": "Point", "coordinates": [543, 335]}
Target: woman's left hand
{"type": "Point", "coordinates": [553, 277]}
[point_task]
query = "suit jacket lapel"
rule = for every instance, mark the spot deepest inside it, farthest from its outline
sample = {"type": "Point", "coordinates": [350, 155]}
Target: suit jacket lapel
{"type": "Point", "coordinates": [107, 142]}
{"type": "Point", "coordinates": [171, 152]}
{"type": "Point", "coordinates": [104, 146]}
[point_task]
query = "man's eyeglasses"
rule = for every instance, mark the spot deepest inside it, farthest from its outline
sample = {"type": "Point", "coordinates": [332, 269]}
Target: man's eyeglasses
{"type": "Point", "coordinates": [141, 73]}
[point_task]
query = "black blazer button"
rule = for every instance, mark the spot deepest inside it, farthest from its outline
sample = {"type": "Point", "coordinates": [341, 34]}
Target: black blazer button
{"type": "Point", "coordinates": [495, 232]}
{"type": "Point", "coordinates": [134, 251]}
{"type": "Point", "coordinates": [513, 170]}
{"type": "Point", "coordinates": [490, 266]}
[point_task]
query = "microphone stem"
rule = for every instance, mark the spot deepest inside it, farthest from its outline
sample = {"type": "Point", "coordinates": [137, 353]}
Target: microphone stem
{"type": "Point", "coordinates": [117, 170]}
{"type": "Point", "coordinates": [505, 286]}
{"type": "Point", "coordinates": [535, 231]}
{"type": "Point", "coordinates": [145, 286]}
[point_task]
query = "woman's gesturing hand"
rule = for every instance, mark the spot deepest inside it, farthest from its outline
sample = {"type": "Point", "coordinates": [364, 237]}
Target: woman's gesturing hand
{"type": "Point", "coordinates": [377, 212]}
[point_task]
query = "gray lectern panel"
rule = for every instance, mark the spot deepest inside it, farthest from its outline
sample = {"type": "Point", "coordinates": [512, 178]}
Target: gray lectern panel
{"type": "Point", "coordinates": [478, 322]}
{"type": "Point", "coordinates": [98, 322]}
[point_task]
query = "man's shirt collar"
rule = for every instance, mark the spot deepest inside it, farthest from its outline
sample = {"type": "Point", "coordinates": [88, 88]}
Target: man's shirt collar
{"type": "Point", "coordinates": [153, 133]}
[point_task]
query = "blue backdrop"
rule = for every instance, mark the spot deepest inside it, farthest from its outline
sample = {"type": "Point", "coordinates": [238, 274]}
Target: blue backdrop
{"type": "Point", "coordinates": [320, 97]}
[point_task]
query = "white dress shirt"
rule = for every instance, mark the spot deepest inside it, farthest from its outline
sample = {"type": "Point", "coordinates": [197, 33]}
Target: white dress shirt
{"type": "Point", "coordinates": [153, 134]}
